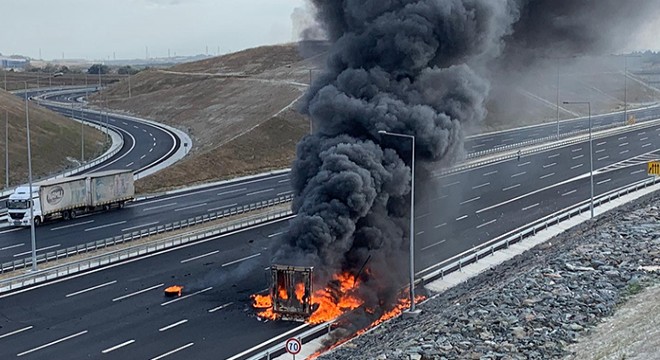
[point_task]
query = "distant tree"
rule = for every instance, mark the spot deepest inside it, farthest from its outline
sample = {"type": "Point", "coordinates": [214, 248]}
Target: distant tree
{"type": "Point", "coordinates": [127, 70]}
{"type": "Point", "coordinates": [98, 69]}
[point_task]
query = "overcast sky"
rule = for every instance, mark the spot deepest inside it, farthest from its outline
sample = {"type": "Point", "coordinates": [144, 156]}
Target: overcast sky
{"type": "Point", "coordinates": [104, 29]}
{"type": "Point", "coordinates": [95, 29]}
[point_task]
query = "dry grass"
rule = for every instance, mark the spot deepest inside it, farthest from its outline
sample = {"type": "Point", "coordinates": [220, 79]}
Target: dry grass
{"type": "Point", "coordinates": [55, 140]}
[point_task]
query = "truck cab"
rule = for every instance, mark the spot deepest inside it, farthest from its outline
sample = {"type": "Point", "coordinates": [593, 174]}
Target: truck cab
{"type": "Point", "coordinates": [18, 206]}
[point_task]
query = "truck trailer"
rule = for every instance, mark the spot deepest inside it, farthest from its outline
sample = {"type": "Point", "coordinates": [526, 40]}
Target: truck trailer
{"type": "Point", "coordinates": [69, 197]}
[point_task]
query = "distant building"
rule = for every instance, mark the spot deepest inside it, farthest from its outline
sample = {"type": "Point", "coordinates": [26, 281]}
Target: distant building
{"type": "Point", "coordinates": [13, 64]}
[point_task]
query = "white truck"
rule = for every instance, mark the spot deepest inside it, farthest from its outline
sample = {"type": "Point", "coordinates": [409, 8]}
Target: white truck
{"type": "Point", "coordinates": [69, 197]}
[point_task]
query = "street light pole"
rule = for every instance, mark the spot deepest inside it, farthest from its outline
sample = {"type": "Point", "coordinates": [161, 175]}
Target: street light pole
{"type": "Point", "coordinates": [591, 152]}
{"type": "Point", "coordinates": [30, 201]}
{"type": "Point", "coordinates": [557, 100]}
{"type": "Point", "coordinates": [6, 148]}
{"type": "Point", "coordinates": [625, 89]}
{"type": "Point", "coordinates": [412, 216]}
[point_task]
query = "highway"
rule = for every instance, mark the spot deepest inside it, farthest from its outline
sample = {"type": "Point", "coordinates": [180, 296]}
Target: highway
{"type": "Point", "coordinates": [171, 208]}
{"type": "Point", "coordinates": [469, 207]}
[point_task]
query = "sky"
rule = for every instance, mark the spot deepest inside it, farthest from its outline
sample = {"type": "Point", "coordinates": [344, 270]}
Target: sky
{"type": "Point", "coordinates": [129, 29]}
{"type": "Point", "coordinates": [125, 29]}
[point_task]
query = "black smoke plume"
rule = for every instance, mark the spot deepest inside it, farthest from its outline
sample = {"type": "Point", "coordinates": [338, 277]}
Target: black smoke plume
{"type": "Point", "coordinates": [420, 68]}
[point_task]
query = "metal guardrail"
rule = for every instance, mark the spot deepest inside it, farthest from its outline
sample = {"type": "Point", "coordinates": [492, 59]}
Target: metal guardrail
{"type": "Point", "coordinates": [142, 233]}
{"type": "Point", "coordinates": [480, 252]}
{"type": "Point", "coordinates": [140, 250]}
{"type": "Point", "coordinates": [574, 140]}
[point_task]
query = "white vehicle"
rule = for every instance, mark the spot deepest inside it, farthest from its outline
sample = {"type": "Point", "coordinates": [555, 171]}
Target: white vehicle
{"type": "Point", "coordinates": [69, 197]}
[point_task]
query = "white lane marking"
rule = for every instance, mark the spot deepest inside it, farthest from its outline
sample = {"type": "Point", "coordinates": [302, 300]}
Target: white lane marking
{"type": "Point", "coordinates": [451, 184]}
{"type": "Point", "coordinates": [135, 126]}
{"type": "Point", "coordinates": [159, 206]}
{"type": "Point", "coordinates": [519, 174]}
{"type": "Point", "coordinates": [38, 250]}
{"type": "Point", "coordinates": [547, 176]}
{"type": "Point", "coordinates": [434, 244]}
{"type": "Point", "coordinates": [478, 146]}
{"type": "Point", "coordinates": [420, 233]}
{"type": "Point", "coordinates": [623, 152]}
{"type": "Point", "coordinates": [276, 234]}
{"type": "Point", "coordinates": [553, 156]}
{"type": "Point", "coordinates": [10, 230]}
{"type": "Point", "coordinates": [151, 150]}
{"type": "Point", "coordinates": [16, 332]}
{"type": "Point", "coordinates": [144, 130]}
{"type": "Point", "coordinates": [569, 193]}
{"type": "Point", "coordinates": [284, 180]}
{"type": "Point", "coordinates": [576, 150]}
{"type": "Point", "coordinates": [422, 216]}
{"type": "Point", "coordinates": [603, 182]}
{"type": "Point", "coordinates": [21, 244]}
{"type": "Point", "coordinates": [240, 260]}
{"type": "Point", "coordinates": [231, 191]}
{"type": "Point", "coordinates": [578, 157]}
{"type": "Point", "coordinates": [191, 207]}
{"type": "Point", "coordinates": [599, 151]}
{"type": "Point", "coordinates": [632, 173]}
{"type": "Point", "coordinates": [623, 144]}
{"type": "Point", "coordinates": [461, 218]}
{"type": "Point", "coordinates": [259, 192]}
{"type": "Point", "coordinates": [52, 343]}
{"type": "Point", "coordinates": [603, 158]}
{"type": "Point", "coordinates": [129, 164]}
{"type": "Point", "coordinates": [601, 143]}
{"type": "Point", "coordinates": [490, 173]}
{"type": "Point", "coordinates": [173, 351]}
{"type": "Point", "coordinates": [221, 307]}
{"type": "Point", "coordinates": [137, 292]}
{"type": "Point", "coordinates": [91, 288]}
{"type": "Point", "coordinates": [641, 133]}
{"type": "Point", "coordinates": [440, 225]}
{"type": "Point", "coordinates": [124, 122]}
{"type": "Point", "coordinates": [644, 138]}
{"type": "Point", "coordinates": [221, 207]}
{"type": "Point", "coordinates": [645, 145]}
{"type": "Point", "coordinates": [284, 193]}
{"type": "Point", "coordinates": [525, 163]}
{"type": "Point", "coordinates": [549, 165]}
{"type": "Point", "coordinates": [199, 256]}
{"type": "Point", "coordinates": [141, 226]}
{"type": "Point", "coordinates": [152, 135]}
{"type": "Point", "coordinates": [576, 166]}
{"type": "Point", "coordinates": [165, 328]}
{"type": "Point", "coordinates": [486, 223]}
{"type": "Point", "coordinates": [106, 225]}
{"type": "Point", "coordinates": [186, 296]}
{"type": "Point", "coordinates": [72, 225]}
{"type": "Point", "coordinates": [154, 143]}
{"type": "Point", "coordinates": [111, 349]}
{"type": "Point", "coordinates": [623, 138]}
{"type": "Point", "coordinates": [143, 156]}
{"type": "Point", "coordinates": [511, 187]}
{"type": "Point", "coordinates": [471, 200]}
{"type": "Point", "coordinates": [480, 186]}
{"type": "Point", "coordinates": [530, 207]}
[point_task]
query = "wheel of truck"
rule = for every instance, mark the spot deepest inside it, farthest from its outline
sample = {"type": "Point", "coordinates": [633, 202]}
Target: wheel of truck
{"type": "Point", "coordinates": [37, 221]}
{"type": "Point", "coordinates": [106, 207]}
{"type": "Point", "coordinates": [73, 214]}
{"type": "Point", "coordinates": [66, 215]}
{"type": "Point", "coordinates": [120, 205]}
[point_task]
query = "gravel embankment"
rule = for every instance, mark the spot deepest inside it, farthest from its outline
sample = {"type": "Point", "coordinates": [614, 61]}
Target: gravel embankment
{"type": "Point", "coordinates": [535, 305]}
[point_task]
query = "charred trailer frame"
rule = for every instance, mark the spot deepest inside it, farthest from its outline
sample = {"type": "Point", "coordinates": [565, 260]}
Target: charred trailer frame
{"type": "Point", "coordinates": [291, 291]}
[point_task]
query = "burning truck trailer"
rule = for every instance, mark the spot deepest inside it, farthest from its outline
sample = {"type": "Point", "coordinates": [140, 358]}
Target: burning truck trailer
{"type": "Point", "coordinates": [291, 292]}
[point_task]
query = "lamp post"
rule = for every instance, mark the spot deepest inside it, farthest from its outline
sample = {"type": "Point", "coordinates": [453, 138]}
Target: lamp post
{"type": "Point", "coordinates": [30, 201]}
{"type": "Point", "coordinates": [6, 149]}
{"type": "Point", "coordinates": [591, 153]}
{"type": "Point", "coordinates": [412, 216]}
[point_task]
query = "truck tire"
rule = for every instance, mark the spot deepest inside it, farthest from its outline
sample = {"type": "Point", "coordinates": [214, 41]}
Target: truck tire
{"type": "Point", "coordinates": [66, 215]}
{"type": "Point", "coordinates": [73, 214]}
{"type": "Point", "coordinates": [106, 207]}
{"type": "Point", "coordinates": [37, 221]}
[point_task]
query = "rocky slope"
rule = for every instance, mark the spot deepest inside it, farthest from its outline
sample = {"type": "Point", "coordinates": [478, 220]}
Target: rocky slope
{"type": "Point", "coordinates": [535, 305]}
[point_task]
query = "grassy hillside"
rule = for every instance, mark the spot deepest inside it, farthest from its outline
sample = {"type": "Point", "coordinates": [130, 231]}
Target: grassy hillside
{"type": "Point", "coordinates": [240, 108]}
{"type": "Point", "coordinates": [55, 140]}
